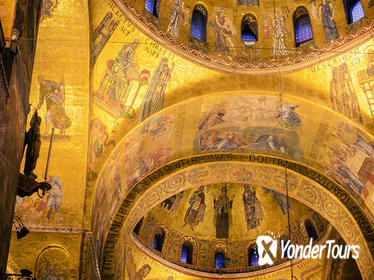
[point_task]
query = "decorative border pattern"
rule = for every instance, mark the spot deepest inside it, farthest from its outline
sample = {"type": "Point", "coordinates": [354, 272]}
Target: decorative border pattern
{"type": "Point", "coordinates": [90, 244]}
{"type": "Point", "coordinates": [54, 229]}
{"type": "Point", "coordinates": [362, 231]}
{"type": "Point", "coordinates": [216, 63]}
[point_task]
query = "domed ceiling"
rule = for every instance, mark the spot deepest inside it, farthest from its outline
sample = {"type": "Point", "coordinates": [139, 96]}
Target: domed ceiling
{"type": "Point", "coordinates": [251, 34]}
{"type": "Point", "coordinates": [227, 217]}
{"type": "Point", "coordinates": [104, 192]}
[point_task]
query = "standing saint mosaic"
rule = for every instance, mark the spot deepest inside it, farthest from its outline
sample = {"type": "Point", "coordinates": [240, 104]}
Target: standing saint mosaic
{"type": "Point", "coordinates": [222, 207]}
{"type": "Point", "coordinates": [195, 213]}
{"type": "Point", "coordinates": [326, 10]}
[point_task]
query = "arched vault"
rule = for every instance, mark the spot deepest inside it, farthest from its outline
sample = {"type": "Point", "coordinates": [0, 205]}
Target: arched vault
{"type": "Point", "coordinates": [328, 199]}
{"type": "Point", "coordinates": [305, 145]}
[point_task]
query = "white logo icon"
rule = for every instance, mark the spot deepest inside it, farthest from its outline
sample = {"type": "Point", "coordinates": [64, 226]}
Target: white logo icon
{"type": "Point", "coordinates": [267, 249]}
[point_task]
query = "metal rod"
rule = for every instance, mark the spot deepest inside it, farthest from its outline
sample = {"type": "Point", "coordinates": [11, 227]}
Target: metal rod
{"type": "Point", "coordinates": [49, 155]}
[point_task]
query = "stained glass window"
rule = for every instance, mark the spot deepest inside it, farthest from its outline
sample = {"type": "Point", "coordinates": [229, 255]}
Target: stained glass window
{"type": "Point", "coordinates": [248, 37]}
{"type": "Point", "coordinates": [198, 23]}
{"type": "Point", "coordinates": [149, 4]}
{"type": "Point", "coordinates": [252, 256]}
{"type": "Point", "coordinates": [152, 6]}
{"type": "Point", "coordinates": [158, 239]}
{"type": "Point", "coordinates": [186, 253]}
{"type": "Point", "coordinates": [303, 30]}
{"type": "Point", "coordinates": [154, 243]}
{"type": "Point", "coordinates": [249, 28]}
{"type": "Point", "coordinates": [357, 12]}
{"type": "Point", "coordinates": [219, 260]}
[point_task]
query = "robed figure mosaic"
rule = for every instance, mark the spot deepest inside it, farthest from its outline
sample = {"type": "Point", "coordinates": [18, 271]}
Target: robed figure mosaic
{"type": "Point", "coordinates": [327, 11]}
{"type": "Point", "coordinates": [195, 213]}
{"type": "Point", "coordinates": [275, 27]}
{"type": "Point", "coordinates": [222, 206]}
{"type": "Point", "coordinates": [54, 95]}
{"type": "Point", "coordinates": [118, 90]}
{"type": "Point", "coordinates": [223, 35]}
{"type": "Point", "coordinates": [121, 84]}
{"type": "Point", "coordinates": [252, 208]}
{"type": "Point", "coordinates": [154, 97]}
{"type": "Point", "coordinates": [54, 199]}
{"type": "Point", "coordinates": [171, 204]}
{"type": "Point", "coordinates": [351, 159]}
{"type": "Point", "coordinates": [173, 27]}
{"type": "Point", "coordinates": [342, 93]}
{"type": "Point", "coordinates": [279, 36]}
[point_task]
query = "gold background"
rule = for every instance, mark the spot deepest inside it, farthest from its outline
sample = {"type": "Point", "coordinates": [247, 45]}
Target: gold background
{"type": "Point", "coordinates": [63, 51]}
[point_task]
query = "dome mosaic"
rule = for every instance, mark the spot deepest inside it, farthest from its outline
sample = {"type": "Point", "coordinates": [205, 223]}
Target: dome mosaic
{"type": "Point", "coordinates": [184, 132]}
{"type": "Point", "coordinates": [247, 35]}
{"type": "Point", "coordinates": [213, 228]}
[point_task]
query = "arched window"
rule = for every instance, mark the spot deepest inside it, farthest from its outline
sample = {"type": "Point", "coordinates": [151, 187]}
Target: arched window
{"type": "Point", "coordinates": [138, 226]}
{"type": "Point", "coordinates": [302, 27]}
{"type": "Point", "coordinates": [252, 255]}
{"type": "Point", "coordinates": [186, 253]}
{"type": "Point", "coordinates": [198, 23]}
{"type": "Point", "coordinates": [158, 239]}
{"type": "Point", "coordinates": [312, 233]}
{"type": "Point", "coordinates": [357, 12]}
{"type": "Point", "coordinates": [249, 28]}
{"type": "Point", "coordinates": [152, 6]}
{"type": "Point", "coordinates": [219, 259]}
{"type": "Point", "coordinates": [353, 10]}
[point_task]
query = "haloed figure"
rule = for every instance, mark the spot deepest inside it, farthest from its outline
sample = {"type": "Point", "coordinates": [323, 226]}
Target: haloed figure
{"type": "Point", "coordinates": [252, 208]}
{"type": "Point", "coordinates": [222, 206]}
{"type": "Point", "coordinates": [195, 213]}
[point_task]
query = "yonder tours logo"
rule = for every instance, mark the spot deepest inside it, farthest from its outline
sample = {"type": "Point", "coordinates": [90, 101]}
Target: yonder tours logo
{"type": "Point", "coordinates": [267, 250]}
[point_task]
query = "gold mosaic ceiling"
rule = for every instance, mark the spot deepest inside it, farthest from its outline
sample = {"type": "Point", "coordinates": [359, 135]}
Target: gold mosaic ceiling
{"type": "Point", "coordinates": [177, 212]}
{"type": "Point", "coordinates": [225, 217]}
{"type": "Point", "coordinates": [220, 43]}
{"type": "Point", "coordinates": [177, 130]}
